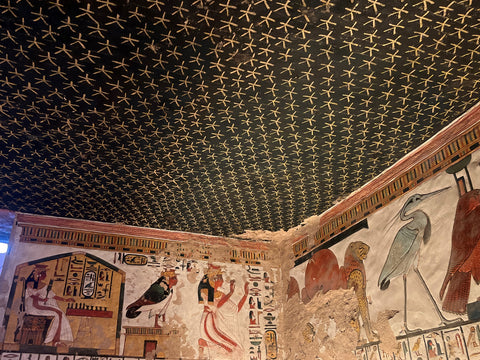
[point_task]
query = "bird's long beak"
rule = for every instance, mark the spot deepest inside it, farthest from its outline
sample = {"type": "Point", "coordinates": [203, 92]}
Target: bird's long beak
{"type": "Point", "coordinates": [433, 193]}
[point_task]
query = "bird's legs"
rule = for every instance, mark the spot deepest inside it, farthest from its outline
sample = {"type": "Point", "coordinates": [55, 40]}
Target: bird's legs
{"type": "Point", "coordinates": [407, 330]}
{"type": "Point", "coordinates": [444, 320]}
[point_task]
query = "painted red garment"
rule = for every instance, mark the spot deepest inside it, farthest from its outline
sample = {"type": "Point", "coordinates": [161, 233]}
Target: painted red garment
{"type": "Point", "coordinates": [465, 254]}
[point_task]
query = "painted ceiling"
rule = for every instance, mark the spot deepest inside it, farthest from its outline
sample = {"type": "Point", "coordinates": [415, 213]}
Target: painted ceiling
{"type": "Point", "coordinates": [219, 116]}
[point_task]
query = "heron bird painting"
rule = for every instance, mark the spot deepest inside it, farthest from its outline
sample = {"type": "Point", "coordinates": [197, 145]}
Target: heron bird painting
{"type": "Point", "coordinates": [405, 249]}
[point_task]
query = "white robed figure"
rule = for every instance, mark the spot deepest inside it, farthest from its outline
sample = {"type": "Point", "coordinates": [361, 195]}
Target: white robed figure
{"type": "Point", "coordinates": [219, 318]}
{"type": "Point", "coordinates": [40, 300]}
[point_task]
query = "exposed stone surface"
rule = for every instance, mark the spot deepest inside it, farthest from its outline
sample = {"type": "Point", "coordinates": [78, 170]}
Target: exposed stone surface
{"type": "Point", "coordinates": [308, 226]}
{"type": "Point", "coordinates": [388, 343]}
{"type": "Point", "coordinates": [321, 329]}
{"type": "Point", "coordinates": [176, 345]}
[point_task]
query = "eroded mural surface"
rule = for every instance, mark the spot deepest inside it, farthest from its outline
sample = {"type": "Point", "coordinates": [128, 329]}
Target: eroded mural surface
{"type": "Point", "coordinates": [87, 305]}
{"type": "Point", "coordinates": [414, 272]}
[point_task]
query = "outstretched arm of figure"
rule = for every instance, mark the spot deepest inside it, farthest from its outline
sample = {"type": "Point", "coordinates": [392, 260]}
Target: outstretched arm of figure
{"type": "Point", "coordinates": [36, 298]}
{"type": "Point", "coordinates": [58, 298]}
{"type": "Point", "coordinates": [225, 297]}
{"type": "Point", "coordinates": [244, 298]}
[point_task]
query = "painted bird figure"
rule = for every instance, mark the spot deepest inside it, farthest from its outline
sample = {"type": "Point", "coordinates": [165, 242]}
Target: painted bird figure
{"type": "Point", "coordinates": [465, 254]}
{"type": "Point", "coordinates": [405, 249]}
{"type": "Point", "coordinates": [156, 298]}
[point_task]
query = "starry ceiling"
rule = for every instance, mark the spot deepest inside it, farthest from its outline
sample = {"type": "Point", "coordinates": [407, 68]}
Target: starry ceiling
{"type": "Point", "coordinates": [216, 116]}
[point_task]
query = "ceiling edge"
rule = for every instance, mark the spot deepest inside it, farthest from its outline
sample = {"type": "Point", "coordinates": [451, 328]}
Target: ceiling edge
{"type": "Point", "coordinates": [451, 144]}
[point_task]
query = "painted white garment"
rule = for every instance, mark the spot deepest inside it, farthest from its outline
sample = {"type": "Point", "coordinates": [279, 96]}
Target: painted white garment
{"type": "Point", "coordinates": [217, 328]}
{"type": "Point", "coordinates": [47, 308]}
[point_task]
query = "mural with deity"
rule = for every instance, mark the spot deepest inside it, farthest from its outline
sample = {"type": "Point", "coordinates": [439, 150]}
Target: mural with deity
{"type": "Point", "coordinates": [417, 260]}
{"type": "Point", "coordinates": [99, 303]}
{"type": "Point", "coordinates": [219, 322]}
{"type": "Point", "coordinates": [53, 298]}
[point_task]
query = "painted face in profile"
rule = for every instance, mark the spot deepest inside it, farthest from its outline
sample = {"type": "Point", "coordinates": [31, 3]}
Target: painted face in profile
{"type": "Point", "coordinates": [41, 275]}
{"type": "Point", "coordinates": [217, 281]}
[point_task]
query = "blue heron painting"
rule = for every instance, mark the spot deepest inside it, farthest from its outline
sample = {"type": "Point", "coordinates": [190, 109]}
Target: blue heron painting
{"type": "Point", "coordinates": [405, 249]}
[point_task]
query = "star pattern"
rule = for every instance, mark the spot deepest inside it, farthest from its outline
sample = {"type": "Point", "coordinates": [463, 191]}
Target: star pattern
{"type": "Point", "coordinates": [219, 116]}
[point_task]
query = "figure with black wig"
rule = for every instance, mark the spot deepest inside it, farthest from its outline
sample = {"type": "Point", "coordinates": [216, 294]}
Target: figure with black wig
{"type": "Point", "coordinates": [219, 317]}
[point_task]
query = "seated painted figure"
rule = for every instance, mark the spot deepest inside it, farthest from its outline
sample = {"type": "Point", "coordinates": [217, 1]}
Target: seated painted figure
{"type": "Point", "coordinates": [40, 300]}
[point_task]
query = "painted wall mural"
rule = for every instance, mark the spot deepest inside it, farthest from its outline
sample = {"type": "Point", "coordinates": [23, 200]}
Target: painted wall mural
{"type": "Point", "coordinates": [219, 317]}
{"type": "Point", "coordinates": [324, 274]}
{"type": "Point", "coordinates": [403, 255]}
{"type": "Point", "coordinates": [464, 260]}
{"type": "Point", "coordinates": [156, 298]}
{"type": "Point", "coordinates": [415, 274]}
{"type": "Point", "coordinates": [99, 305]}
{"type": "Point", "coordinates": [57, 302]}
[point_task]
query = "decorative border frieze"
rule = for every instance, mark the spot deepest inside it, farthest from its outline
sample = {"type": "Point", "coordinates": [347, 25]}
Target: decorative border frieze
{"type": "Point", "coordinates": [49, 231]}
{"type": "Point", "coordinates": [451, 145]}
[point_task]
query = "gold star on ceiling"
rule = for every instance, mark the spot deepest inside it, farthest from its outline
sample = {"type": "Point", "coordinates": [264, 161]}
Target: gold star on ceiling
{"type": "Point", "coordinates": [216, 117]}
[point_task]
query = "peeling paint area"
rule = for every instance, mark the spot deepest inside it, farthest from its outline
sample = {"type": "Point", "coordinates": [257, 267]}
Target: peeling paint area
{"type": "Point", "coordinates": [413, 272]}
{"type": "Point", "coordinates": [322, 328]}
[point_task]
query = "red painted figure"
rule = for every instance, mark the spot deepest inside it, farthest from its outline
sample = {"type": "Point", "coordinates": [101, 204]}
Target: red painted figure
{"type": "Point", "coordinates": [465, 254]}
